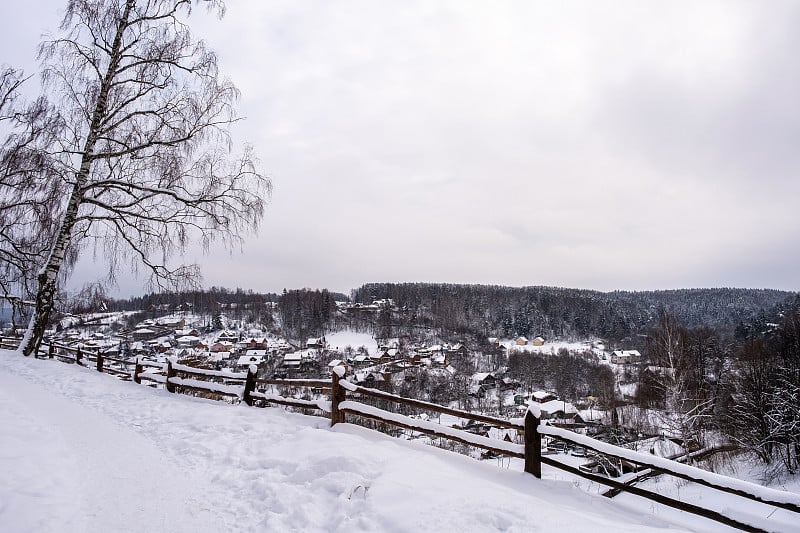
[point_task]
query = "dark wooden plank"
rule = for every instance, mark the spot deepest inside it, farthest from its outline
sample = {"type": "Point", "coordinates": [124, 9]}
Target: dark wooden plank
{"type": "Point", "coordinates": [433, 433]}
{"type": "Point", "coordinates": [202, 389]}
{"type": "Point", "coordinates": [315, 383]}
{"type": "Point", "coordinates": [439, 408]}
{"type": "Point", "coordinates": [116, 371]}
{"type": "Point", "coordinates": [118, 360]}
{"type": "Point", "coordinates": [289, 402]}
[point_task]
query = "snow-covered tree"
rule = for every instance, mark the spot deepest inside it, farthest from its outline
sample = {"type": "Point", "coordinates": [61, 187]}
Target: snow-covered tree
{"type": "Point", "coordinates": [131, 155]}
{"type": "Point", "coordinates": [678, 378]}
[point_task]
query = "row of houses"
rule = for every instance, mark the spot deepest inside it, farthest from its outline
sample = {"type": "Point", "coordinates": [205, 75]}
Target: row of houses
{"type": "Point", "coordinates": [520, 341]}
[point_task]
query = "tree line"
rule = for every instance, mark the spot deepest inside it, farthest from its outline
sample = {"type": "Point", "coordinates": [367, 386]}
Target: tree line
{"type": "Point", "coordinates": [553, 312]}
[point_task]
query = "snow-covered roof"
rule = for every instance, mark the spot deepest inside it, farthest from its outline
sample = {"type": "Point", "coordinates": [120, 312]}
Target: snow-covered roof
{"type": "Point", "coordinates": [249, 360]}
{"type": "Point", "coordinates": [626, 353]}
{"type": "Point", "coordinates": [557, 405]}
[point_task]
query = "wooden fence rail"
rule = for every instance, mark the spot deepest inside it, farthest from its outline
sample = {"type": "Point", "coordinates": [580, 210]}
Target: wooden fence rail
{"type": "Point", "coordinates": [344, 402]}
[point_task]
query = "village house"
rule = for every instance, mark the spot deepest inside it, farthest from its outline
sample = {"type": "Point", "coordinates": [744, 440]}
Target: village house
{"type": "Point", "coordinates": [188, 341]}
{"type": "Point", "coordinates": [162, 347]}
{"type": "Point", "coordinates": [228, 336]}
{"type": "Point", "coordinates": [485, 379]}
{"type": "Point", "coordinates": [171, 322]}
{"type": "Point", "coordinates": [256, 343]}
{"type": "Point", "coordinates": [316, 343]}
{"type": "Point", "coordinates": [458, 349]}
{"type": "Point", "coordinates": [507, 384]}
{"type": "Point", "coordinates": [221, 346]}
{"type": "Point", "coordinates": [538, 341]}
{"type": "Point", "coordinates": [559, 410]}
{"type": "Point", "coordinates": [244, 361]}
{"type": "Point", "coordinates": [521, 341]}
{"type": "Point", "coordinates": [372, 380]}
{"type": "Point", "coordinates": [278, 347]}
{"type": "Point", "coordinates": [264, 354]}
{"type": "Point", "coordinates": [380, 357]}
{"type": "Point", "coordinates": [541, 396]}
{"type": "Point", "coordinates": [142, 333]}
{"type": "Point", "coordinates": [361, 361]}
{"type": "Point", "coordinates": [291, 361]}
{"type": "Point", "coordinates": [137, 348]}
{"type": "Point", "coordinates": [625, 357]}
{"type": "Point", "coordinates": [300, 361]}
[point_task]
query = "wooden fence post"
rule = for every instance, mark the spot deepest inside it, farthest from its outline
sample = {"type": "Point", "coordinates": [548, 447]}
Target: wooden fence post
{"type": "Point", "coordinates": [338, 395]}
{"type": "Point", "coordinates": [250, 384]}
{"type": "Point", "coordinates": [533, 445]}
{"type": "Point", "coordinates": [78, 356]}
{"type": "Point", "coordinates": [137, 369]}
{"type": "Point", "coordinates": [170, 374]}
{"type": "Point", "coordinates": [50, 351]}
{"type": "Point", "coordinates": [99, 362]}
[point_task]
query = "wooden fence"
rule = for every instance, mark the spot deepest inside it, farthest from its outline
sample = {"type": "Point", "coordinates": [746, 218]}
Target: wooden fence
{"type": "Point", "coordinates": [348, 400]}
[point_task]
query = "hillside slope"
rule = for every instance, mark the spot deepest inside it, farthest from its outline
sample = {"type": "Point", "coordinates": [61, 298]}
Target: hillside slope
{"type": "Point", "coordinates": [82, 451]}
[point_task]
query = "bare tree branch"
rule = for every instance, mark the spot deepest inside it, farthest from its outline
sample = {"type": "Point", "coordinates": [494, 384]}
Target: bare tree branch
{"type": "Point", "coordinates": [131, 155]}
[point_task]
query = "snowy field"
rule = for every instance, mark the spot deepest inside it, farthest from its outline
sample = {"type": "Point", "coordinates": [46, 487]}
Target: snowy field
{"type": "Point", "coordinates": [341, 339]}
{"type": "Point", "coordinates": [81, 451]}
{"type": "Point", "coordinates": [553, 347]}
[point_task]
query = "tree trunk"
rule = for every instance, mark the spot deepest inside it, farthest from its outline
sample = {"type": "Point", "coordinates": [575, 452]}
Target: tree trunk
{"type": "Point", "coordinates": [48, 277]}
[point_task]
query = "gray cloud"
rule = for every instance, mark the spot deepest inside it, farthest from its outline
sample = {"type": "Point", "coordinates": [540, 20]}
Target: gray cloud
{"type": "Point", "coordinates": [638, 145]}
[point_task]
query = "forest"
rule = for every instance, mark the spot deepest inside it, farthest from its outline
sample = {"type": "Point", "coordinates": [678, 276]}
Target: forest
{"type": "Point", "coordinates": [553, 312]}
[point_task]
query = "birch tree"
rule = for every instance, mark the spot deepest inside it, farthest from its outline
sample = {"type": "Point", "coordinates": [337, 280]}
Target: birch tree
{"type": "Point", "coordinates": [135, 160]}
{"type": "Point", "coordinates": [678, 381]}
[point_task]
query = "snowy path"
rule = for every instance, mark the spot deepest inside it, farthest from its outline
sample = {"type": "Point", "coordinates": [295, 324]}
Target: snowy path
{"type": "Point", "coordinates": [66, 471]}
{"type": "Point", "coordinates": [81, 451]}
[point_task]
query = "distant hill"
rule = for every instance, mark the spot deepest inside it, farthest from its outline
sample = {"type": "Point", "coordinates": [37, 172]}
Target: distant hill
{"type": "Point", "coordinates": [552, 312]}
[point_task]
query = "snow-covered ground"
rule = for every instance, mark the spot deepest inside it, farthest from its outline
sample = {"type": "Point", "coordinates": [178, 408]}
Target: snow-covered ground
{"type": "Point", "coordinates": [82, 451]}
{"type": "Point", "coordinates": [553, 347]}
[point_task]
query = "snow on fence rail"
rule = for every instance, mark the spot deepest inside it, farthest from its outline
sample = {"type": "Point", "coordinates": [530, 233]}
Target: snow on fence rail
{"type": "Point", "coordinates": [433, 429]}
{"type": "Point", "coordinates": [745, 489]}
{"type": "Point", "coordinates": [176, 377]}
{"type": "Point", "coordinates": [740, 488]}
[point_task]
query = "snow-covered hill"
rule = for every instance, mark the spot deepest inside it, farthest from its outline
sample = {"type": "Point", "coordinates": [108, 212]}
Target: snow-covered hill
{"type": "Point", "coordinates": [81, 451]}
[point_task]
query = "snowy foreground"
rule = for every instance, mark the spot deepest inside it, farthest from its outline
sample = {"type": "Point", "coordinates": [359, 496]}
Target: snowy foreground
{"type": "Point", "coordinates": [82, 451]}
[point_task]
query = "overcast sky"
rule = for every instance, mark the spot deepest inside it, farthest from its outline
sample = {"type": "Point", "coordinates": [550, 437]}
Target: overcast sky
{"type": "Point", "coordinates": [601, 145]}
